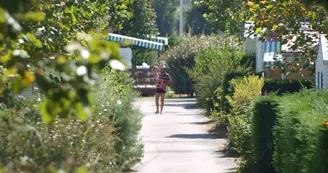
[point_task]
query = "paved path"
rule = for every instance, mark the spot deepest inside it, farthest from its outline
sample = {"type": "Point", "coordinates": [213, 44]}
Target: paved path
{"type": "Point", "coordinates": [178, 140]}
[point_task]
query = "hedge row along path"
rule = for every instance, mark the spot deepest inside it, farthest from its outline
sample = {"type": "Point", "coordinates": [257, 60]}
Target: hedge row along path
{"type": "Point", "coordinates": [179, 141]}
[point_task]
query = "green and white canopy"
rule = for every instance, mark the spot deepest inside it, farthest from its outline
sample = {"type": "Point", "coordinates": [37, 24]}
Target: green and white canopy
{"type": "Point", "coordinates": [136, 42]}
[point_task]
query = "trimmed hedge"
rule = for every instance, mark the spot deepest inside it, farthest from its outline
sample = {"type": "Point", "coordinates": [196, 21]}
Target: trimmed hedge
{"type": "Point", "coordinates": [300, 138]}
{"type": "Point", "coordinates": [249, 61]}
{"type": "Point", "coordinates": [280, 87]}
{"type": "Point", "coordinates": [264, 117]}
{"type": "Point", "coordinates": [286, 86]}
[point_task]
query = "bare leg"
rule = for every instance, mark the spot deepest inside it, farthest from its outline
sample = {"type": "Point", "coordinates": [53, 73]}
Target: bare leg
{"type": "Point", "coordinates": [157, 102]}
{"type": "Point", "coordinates": [162, 102]}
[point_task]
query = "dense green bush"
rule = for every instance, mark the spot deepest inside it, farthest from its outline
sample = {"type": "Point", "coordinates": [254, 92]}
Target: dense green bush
{"type": "Point", "coordinates": [114, 101]}
{"type": "Point", "coordinates": [264, 117]}
{"type": "Point", "coordinates": [179, 58]}
{"type": "Point", "coordinates": [300, 138]}
{"type": "Point", "coordinates": [286, 86]}
{"type": "Point", "coordinates": [227, 89]}
{"type": "Point", "coordinates": [106, 142]}
{"type": "Point", "coordinates": [240, 117]}
{"type": "Point", "coordinates": [27, 143]}
{"type": "Point", "coordinates": [279, 87]}
{"type": "Point", "coordinates": [210, 67]}
{"type": "Point", "coordinates": [249, 61]}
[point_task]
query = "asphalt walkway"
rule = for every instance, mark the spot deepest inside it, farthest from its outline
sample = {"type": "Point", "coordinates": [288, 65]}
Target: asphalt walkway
{"type": "Point", "coordinates": [178, 140]}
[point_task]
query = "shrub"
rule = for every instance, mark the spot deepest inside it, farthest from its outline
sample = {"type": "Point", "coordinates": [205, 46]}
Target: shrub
{"type": "Point", "coordinates": [286, 86]}
{"type": "Point", "coordinates": [240, 118]}
{"type": "Point", "coordinates": [279, 87]}
{"type": "Point", "coordinates": [180, 57]}
{"type": "Point", "coordinates": [114, 101]}
{"type": "Point", "coordinates": [248, 61]}
{"type": "Point", "coordinates": [264, 116]}
{"type": "Point", "coordinates": [28, 144]}
{"type": "Point", "coordinates": [106, 142]}
{"type": "Point", "coordinates": [208, 71]}
{"type": "Point", "coordinates": [227, 89]}
{"type": "Point", "coordinates": [300, 139]}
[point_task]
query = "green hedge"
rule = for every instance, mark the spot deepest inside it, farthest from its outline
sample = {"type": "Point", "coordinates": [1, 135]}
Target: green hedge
{"type": "Point", "coordinates": [280, 87]}
{"type": "Point", "coordinates": [249, 61]}
{"type": "Point", "coordinates": [227, 89]}
{"type": "Point", "coordinates": [300, 138]}
{"type": "Point", "coordinates": [264, 117]}
{"type": "Point", "coordinates": [286, 86]}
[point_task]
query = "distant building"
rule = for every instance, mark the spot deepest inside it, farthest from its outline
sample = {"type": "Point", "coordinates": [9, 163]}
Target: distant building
{"type": "Point", "coordinates": [321, 65]}
{"type": "Point", "coordinates": [271, 50]}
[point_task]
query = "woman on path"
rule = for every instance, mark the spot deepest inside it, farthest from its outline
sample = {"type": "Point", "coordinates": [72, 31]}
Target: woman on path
{"type": "Point", "coordinates": [161, 80]}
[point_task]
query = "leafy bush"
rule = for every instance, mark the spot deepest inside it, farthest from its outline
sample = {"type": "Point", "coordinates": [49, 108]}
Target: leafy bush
{"type": "Point", "coordinates": [114, 101]}
{"type": "Point", "coordinates": [279, 87]}
{"type": "Point", "coordinates": [227, 89]}
{"type": "Point", "coordinates": [28, 144]}
{"type": "Point", "coordinates": [240, 118]}
{"type": "Point", "coordinates": [180, 57]}
{"type": "Point", "coordinates": [300, 138]}
{"type": "Point", "coordinates": [207, 74]}
{"type": "Point", "coordinates": [249, 61]}
{"type": "Point", "coordinates": [106, 142]}
{"type": "Point", "coordinates": [264, 116]}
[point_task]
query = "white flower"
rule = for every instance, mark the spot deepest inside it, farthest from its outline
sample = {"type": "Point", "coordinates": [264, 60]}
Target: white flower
{"type": "Point", "coordinates": [105, 110]}
{"type": "Point", "coordinates": [82, 70]}
{"type": "Point", "coordinates": [119, 102]}
{"type": "Point", "coordinates": [85, 54]}
{"type": "Point", "coordinates": [117, 65]}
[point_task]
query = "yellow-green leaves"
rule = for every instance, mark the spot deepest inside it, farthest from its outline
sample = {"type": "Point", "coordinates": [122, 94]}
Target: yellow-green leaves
{"type": "Point", "coordinates": [35, 16]}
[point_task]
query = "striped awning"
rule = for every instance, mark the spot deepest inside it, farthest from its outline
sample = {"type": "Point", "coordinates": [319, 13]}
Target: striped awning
{"type": "Point", "coordinates": [271, 52]}
{"type": "Point", "coordinates": [162, 40]}
{"type": "Point", "coordinates": [136, 42]}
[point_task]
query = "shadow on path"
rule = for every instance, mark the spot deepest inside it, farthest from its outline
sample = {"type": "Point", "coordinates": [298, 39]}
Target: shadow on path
{"type": "Point", "coordinates": [193, 136]}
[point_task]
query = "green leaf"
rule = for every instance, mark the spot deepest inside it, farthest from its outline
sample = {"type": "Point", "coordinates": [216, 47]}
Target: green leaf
{"type": "Point", "coordinates": [81, 113]}
{"type": "Point", "coordinates": [34, 40]}
{"type": "Point", "coordinates": [81, 170]}
{"type": "Point", "coordinates": [35, 16]}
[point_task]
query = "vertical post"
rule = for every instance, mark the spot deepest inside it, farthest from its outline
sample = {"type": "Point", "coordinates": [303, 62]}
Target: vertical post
{"type": "Point", "coordinates": [158, 56]}
{"type": "Point", "coordinates": [181, 17]}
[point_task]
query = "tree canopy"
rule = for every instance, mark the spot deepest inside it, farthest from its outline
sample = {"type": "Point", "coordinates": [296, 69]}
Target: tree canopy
{"type": "Point", "coordinates": [58, 46]}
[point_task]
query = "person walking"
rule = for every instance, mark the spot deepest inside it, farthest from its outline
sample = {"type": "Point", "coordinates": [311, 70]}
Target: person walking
{"type": "Point", "coordinates": [162, 79]}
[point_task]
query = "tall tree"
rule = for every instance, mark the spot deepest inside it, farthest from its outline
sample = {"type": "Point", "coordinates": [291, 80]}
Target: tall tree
{"type": "Point", "coordinates": [167, 16]}
{"type": "Point", "coordinates": [143, 20]}
{"type": "Point", "coordinates": [141, 25]}
{"type": "Point", "coordinates": [196, 22]}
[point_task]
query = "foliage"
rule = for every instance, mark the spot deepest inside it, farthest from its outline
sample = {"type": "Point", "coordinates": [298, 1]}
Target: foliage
{"type": "Point", "coordinates": [240, 118]}
{"type": "Point", "coordinates": [143, 20]}
{"type": "Point", "coordinates": [227, 89]}
{"type": "Point", "coordinates": [114, 102]}
{"type": "Point", "coordinates": [300, 137]}
{"type": "Point", "coordinates": [180, 58]}
{"type": "Point", "coordinates": [30, 145]}
{"type": "Point", "coordinates": [167, 16]}
{"type": "Point", "coordinates": [272, 19]}
{"type": "Point", "coordinates": [209, 69]}
{"type": "Point", "coordinates": [106, 142]}
{"type": "Point", "coordinates": [140, 56]}
{"type": "Point", "coordinates": [248, 61]}
{"type": "Point", "coordinates": [142, 24]}
{"type": "Point", "coordinates": [227, 16]}
{"type": "Point", "coordinates": [265, 110]}
{"type": "Point", "coordinates": [56, 36]}
{"type": "Point", "coordinates": [59, 47]}
{"type": "Point", "coordinates": [196, 21]}
{"type": "Point", "coordinates": [281, 87]}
